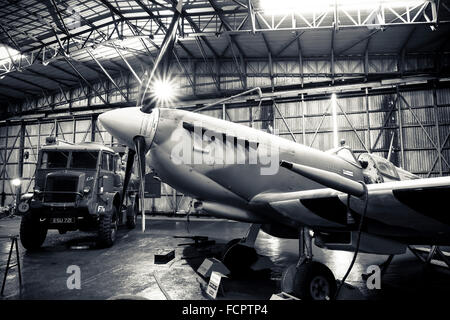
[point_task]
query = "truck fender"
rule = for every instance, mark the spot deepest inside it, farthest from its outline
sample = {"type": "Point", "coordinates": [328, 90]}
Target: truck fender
{"type": "Point", "coordinates": [108, 203]}
{"type": "Point", "coordinates": [26, 197]}
{"type": "Point", "coordinates": [24, 204]}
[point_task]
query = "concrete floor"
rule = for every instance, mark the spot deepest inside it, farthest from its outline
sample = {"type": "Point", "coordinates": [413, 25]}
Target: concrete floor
{"type": "Point", "coordinates": [128, 267]}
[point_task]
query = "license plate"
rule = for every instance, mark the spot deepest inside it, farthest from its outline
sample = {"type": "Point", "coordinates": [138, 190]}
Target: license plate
{"type": "Point", "coordinates": [63, 220]}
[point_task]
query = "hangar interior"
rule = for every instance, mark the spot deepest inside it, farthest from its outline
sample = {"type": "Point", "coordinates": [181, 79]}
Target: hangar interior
{"type": "Point", "coordinates": [382, 70]}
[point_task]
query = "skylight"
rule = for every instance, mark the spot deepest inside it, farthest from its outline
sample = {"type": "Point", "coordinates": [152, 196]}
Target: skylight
{"type": "Point", "coordinates": [308, 6]}
{"type": "Point", "coordinates": [7, 53]}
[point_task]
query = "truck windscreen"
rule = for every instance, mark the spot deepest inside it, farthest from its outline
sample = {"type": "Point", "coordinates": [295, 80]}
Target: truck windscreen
{"type": "Point", "coordinates": [84, 159]}
{"type": "Point", "coordinates": [54, 159]}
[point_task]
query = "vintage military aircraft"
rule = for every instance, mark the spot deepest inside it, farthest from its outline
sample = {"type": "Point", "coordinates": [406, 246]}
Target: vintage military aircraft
{"type": "Point", "coordinates": [289, 190]}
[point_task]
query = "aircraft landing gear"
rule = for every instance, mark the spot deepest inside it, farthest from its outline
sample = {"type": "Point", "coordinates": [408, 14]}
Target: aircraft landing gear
{"type": "Point", "coordinates": [308, 279]}
{"type": "Point", "coordinates": [239, 254]}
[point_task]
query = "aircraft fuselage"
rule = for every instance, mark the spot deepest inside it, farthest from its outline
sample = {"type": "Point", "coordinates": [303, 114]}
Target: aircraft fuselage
{"type": "Point", "coordinates": [184, 155]}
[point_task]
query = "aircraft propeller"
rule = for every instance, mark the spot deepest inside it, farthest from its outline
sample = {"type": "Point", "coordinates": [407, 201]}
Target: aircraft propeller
{"type": "Point", "coordinates": [161, 64]}
{"type": "Point", "coordinates": [160, 69]}
{"type": "Point", "coordinates": [139, 143]}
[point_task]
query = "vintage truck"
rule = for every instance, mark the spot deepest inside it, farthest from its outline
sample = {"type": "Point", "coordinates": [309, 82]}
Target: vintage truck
{"type": "Point", "coordinates": [78, 187]}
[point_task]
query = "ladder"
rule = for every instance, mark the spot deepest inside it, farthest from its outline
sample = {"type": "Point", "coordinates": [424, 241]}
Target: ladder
{"type": "Point", "coordinates": [9, 265]}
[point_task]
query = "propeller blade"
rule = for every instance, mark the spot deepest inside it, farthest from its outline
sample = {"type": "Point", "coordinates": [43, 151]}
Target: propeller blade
{"type": "Point", "coordinates": [164, 52]}
{"type": "Point", "coordinates": [139, 143]}
{"type": "Point", "coordinates": [126, 180]}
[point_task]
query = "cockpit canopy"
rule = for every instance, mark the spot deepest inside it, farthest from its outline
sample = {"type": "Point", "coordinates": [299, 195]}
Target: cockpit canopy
{"type": "Point", "coordinates": [345, 153]}
{"type": "Point", "coordinates": [376, 169]}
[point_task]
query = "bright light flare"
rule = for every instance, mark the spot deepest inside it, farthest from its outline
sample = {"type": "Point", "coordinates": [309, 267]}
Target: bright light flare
{"type": "Point", "coordinates": [164, 91]}
{"type": "Point", "coordinates": [16, 182]}
{"type": "Point", "coordinates": [7, 54]}
{"type": "Point", "coordinates": [320, 6]}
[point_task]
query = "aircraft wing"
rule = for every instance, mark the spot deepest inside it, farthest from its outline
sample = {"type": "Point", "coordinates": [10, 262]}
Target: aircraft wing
{"type": "Point", "coordinates": [419, 205]}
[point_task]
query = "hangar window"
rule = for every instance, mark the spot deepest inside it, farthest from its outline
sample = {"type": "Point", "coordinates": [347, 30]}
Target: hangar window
{"type": "Point", "coordinates": [54, 159]}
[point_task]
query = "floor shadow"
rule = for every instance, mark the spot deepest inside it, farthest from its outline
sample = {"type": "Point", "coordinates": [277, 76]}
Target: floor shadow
{"type": "Point", "coordinates": [249, 284]}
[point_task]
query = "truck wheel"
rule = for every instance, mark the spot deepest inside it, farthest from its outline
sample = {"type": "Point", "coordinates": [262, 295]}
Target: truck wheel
{"type": "Point", "coordinates": [107, 229]}
{"type": "Point", "coordinates": [131, 218]}
{"type": "Point", "coordinates": [32, 231]}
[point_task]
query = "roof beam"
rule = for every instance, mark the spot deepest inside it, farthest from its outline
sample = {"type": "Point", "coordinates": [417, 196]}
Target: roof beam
{"type": "Point", "coordinates": [251, 14]}
{"type": "Point", "coordinates": [86, 81]}
{"type": "Point", "coordinates": [240, 3]}
{"type": "Point", "coordinates": [160, 4]}
{"type": "Point", "coordinates": [289, 43]}
{"type": "Point", "coordinates": [107, 74]}
{"type": "Point", "coordinates": [300, 60]}
{"type": "Point", "coordinates": [196, 29]}
{"type": "Point", "coordinates": [264, 39]}
{"type": "Point", "coordinates": [45, 22]}
{"type": "Point", "coordinates": [366, 59]}
{"type": "Point", "coordinates": [160, 24]}
{"type": "Point", "coordinates": [372, 34]}
{"type": "Point", "coordinates": [219, 13]}
{"type": "Point", "coordinates": [332, 69]}
{"type": "Point", "coordinates": [131, 26]}
{"type": "Point", "coordinates": [60, 17]}
{"type": "Point", "coordinates": [205, 59]}
{"type": "Point", "coordinates": [239, 66]}
{"type": "Point", "coordinates": [402, 51]}
{"type": "Point", "coordinates": [15, 44]}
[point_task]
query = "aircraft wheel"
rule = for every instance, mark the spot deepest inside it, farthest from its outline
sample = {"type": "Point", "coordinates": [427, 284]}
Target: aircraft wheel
{"type": "Point", "coordinates": [314, 281]}
{"type": "Point", "coordinates": [238, 257]}
{"type": "Point", "coordinates": [228, 246]}
{"type": "Point", "coordinates": [287, 279]}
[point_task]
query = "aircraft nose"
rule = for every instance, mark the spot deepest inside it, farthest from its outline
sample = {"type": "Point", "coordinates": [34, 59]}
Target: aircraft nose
{"type": "Point", "coordinates": [123, 124]}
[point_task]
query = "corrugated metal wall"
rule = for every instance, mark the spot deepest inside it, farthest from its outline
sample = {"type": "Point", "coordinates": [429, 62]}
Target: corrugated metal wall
{"type": "Point", "coordinates": [421, 116]}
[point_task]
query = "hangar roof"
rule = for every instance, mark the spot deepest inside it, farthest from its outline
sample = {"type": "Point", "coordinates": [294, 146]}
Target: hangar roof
{"type": "Point", "coordinates": [50, 44]}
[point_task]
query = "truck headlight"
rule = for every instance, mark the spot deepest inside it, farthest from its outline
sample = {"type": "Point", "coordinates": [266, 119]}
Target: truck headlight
{"type": "Point", "coordinates": [86, 190]}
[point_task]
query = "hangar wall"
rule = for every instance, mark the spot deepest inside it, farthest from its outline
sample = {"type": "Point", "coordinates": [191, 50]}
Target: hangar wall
{"type": "Point", "coordinates": [198, 78]}
{"type": "Point", "coordinates": [418, 119]}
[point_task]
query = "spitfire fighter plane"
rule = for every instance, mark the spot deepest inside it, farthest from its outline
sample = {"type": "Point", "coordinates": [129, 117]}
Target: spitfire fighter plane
{"type": "Point", "coordinates": [342, 202]}
{"type": "Point", "coordinates": [332, 193]}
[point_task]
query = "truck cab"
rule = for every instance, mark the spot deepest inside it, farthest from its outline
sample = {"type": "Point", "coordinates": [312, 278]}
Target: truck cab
{"type": "Point", "coordinates": [78, 187]}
